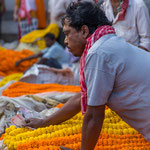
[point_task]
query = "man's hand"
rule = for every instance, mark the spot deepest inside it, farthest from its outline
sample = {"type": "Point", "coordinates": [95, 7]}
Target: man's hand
{"type": "Point", "coordinates": [64, 148]}
{"type": "Point", "coordinates": [18, 62]}
{"type": "Point", "coordinates": [34, 123]}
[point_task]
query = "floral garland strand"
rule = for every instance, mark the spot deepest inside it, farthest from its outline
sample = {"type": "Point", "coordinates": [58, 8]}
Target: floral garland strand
{"type": "Point", "coordinates": [22, 88]}
{"type": "Point", "coordinates": [8, 60]}
{"type": "Point", "coordinates": [115, 134]}
{"type": "Point", "coordinates": [14, 77]}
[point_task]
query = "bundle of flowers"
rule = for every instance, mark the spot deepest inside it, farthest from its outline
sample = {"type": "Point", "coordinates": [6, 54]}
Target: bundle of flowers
{"type": "Point", "coordinates": [37, 35]}
{"type": "Point", "coordinates": [115, 135]}
{"type": "Point", "coordinates": [2, 48]}
{"type": "Point", "coordinates": [8, 60]}
{"type": "Point", "coordinates": [14, 77]}
{"type": "Point", "coordinates": [22, 88]}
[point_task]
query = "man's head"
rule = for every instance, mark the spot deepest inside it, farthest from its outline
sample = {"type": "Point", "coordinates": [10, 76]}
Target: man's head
{"type": "Point", "coordinates": [80, 21]}
{"type": "Point", "coordinates": [49, 39]}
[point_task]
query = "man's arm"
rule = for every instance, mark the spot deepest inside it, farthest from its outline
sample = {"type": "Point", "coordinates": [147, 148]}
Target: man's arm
{"type": "Point", "coordinates": [29, 58]}
{"type": "Point", "coordinates": [71, 108]}
{"type": "Point", "coordinates": [92, 125]}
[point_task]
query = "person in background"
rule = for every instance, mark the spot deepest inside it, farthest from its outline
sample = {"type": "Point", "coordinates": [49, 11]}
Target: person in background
{"type": "Point", "coordinates": [108, 76]}
{"type": "Point", "coordinates": [72, 68]}
{"type": "Point", "coordinates": [2, 11]}
{"type": "Point", "coordinates": [25, 15]}
{"type": "Point", "coordinates": [41, 14]}
{"type": "Point", "coordinates": [54, 55]}
{"type": "Point", "coordinates": [131, 20]}
{"type": "Point", "coordinates": [52, 11]}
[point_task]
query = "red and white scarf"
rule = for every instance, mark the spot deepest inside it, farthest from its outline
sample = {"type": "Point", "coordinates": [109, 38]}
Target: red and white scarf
{"type": "Point", "coordinates": [122, 13]}
{"type": "Point", "coordinates": [101, 31]}
{"type": "Point", "coordinates": [25, 8]}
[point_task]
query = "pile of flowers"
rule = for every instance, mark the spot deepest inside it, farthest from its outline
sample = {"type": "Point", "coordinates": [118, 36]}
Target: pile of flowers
{"type": "Point", "coordinates": [8, 60]}
{"type": "Point", "coordinates": [2, 48]}
{"type": "Point", "coordinates": [115, 135]}
{"type": "Point", "coordinates": [22, 88]}
{"type": "Point", "coordinates": [14, 77]}
{"type": "Point", "coordinates": [36, 36]}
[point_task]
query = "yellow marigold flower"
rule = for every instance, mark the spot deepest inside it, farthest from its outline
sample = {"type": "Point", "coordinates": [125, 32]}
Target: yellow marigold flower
{"type": "Point", "coordinates": [110, 131]}
{"type": "Point", "coordinates": [125, 131]}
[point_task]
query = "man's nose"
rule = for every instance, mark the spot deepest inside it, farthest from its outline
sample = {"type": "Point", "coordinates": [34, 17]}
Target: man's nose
{"type": "Point", "coordinates": [66, 41]}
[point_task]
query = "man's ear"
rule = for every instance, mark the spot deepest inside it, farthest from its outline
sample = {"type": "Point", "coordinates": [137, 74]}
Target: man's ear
{"type": "Point", "coordinates": [85, 31]}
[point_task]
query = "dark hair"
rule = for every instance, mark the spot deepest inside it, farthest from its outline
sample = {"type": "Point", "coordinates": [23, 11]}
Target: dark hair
{"type": "Point", "coordinates": [50, 36]}
{"type": "Point", "coordinates": [85, 13]}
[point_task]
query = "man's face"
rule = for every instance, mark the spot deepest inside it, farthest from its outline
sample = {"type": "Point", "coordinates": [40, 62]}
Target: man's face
{"type": "Point", "coordinates": [49, 42]}
{"type": "Point", "coordinates": [75, 40]}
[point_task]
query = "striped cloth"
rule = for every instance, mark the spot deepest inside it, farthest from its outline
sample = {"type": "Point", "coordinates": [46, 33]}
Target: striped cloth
{"type": "Point", "coordinates": [25, 28]}
{"type": "Point", "coordinates": [122, 13]}
{"type": "Point", "coordinates": [101, 31]}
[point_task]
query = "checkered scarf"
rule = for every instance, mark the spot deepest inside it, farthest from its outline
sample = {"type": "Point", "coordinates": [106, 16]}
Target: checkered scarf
{"type": "Point", "coordinates": [122, 13]}
{"type": "Point", "coordinates": [100, 31]}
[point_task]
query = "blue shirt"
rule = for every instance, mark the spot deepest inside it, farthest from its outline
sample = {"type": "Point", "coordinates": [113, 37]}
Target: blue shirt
{"type": "Point", "coordinates": [56, 51]}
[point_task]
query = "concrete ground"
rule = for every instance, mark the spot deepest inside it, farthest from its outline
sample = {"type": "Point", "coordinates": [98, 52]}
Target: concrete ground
{"type": "Point", "coordinates": [9, 27]}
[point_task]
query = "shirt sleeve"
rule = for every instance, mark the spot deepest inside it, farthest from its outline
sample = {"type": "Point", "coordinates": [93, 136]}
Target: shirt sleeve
{"type": "Point", "coordinates": [52, 52]}
{"type": "Point", "coordinates": [100, 78]}
{"type": "Point", "coordinates": [61, 8]}
{"type": "Point", "coordinates": [143, 25]}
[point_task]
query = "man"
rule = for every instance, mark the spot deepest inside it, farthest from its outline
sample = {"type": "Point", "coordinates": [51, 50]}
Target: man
{"type": "Point", "coordinates": [113, 72]}
{"type": "Point", "coordinates": [131, 20]}
{"type": "Point", "coordinates": [54, 55]}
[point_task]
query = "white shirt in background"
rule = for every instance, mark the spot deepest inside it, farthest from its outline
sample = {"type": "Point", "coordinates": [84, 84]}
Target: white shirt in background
{"type": "Point", "coordinates": [135, 29]}
{"type": "Point", "coordinates": [57, 8]}
{"type": "Point", "coordinates": [52, 10]}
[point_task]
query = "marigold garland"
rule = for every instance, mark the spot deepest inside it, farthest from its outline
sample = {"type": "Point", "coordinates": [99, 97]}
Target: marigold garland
{"type": "Point", "coordinates": [22, 88]}
{"type": "Point", "coordinates": [2, 48]}
{"type": "Point", "coordinates": [115, 135]}
{"type": "Point", "coordinates": [8, 60]}
{"type": "Point", "coordinates": [38, 34]}
{"type": "Point", "coordinates": [14, 77]}
{"type": "Point", "coordinates": [59, 105]}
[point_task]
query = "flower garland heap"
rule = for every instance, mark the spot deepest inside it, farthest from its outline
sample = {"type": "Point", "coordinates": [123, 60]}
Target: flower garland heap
{"type": "Point", "coordinates": [36, 36]}
{"type": "Point", "coordinates": [8, 60]}
{"type": "Point", "coordinates": [115, 134]}
{"type": "Point", "coordinates": [14, 77]}
{"type": "Point", "coordinates": [22, 88]}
